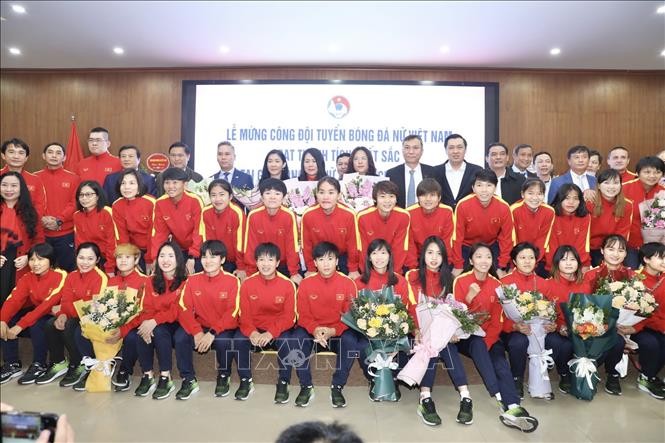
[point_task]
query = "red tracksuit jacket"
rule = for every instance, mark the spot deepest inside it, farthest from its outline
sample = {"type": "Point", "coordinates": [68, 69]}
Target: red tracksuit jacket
{"type": "Point", "coordinates": [35, 187]}
{"type": "Point", "coordinates": [163, 308]}
{"type": "Point", "coordinates": [394, 229]}
{"type": "Point", "coordinates": [523, 282]}
{"type": "Point", "coordinates": [559, 292]}
{"type": "Point", "coordinates": [434, 288]}
{"type": "Point", "coordinates": [135, 280]}
{"type": "Point", "coordinates": [268, 305]}
{"type": "Point", "coordinates": [607, 223]}
{"type": "Point", "coordinates": [182, 220]}
{"type": "Point", "coordinates": [573, 231]}
{"type": "Point", "coordinates": [60, 186]}
{"type": "Point", "coordinates": [133, 220]}
{"type": "Point", "coordinates": [280, 229]}
{"type": "Point", "coordinates": [534, 227]}
{"type": "Point", "coordinates": [97, 167]}
{"type": "Point", "coordinates": [379, 281]}
{"type": "Point", "coordinates": [14, 232]}
{"type": "Point", "coordinates": [439, 222]}
{"type": "Point", "coordinates": [209, 302]}
{"type": "Point", "coordinates": [656, 284]}
{"type": "Point", "coordinates": [634, 190]}
{"type": "Point", "coordinates": [228, 227]}
{"type": "Point", "coordinates": [593, 275]}
{"type": "Point", "coordinates": [486, 301]}
{"type": "Point", "coordinates": [97, 227]}
{"type": "Point", "coordinates": [42, 292]}
{"type": "Point", "coordinates": [475, 223]}
{"type": "Point", "coordinates": [339, 228]}
{"type": "Point", "coordinates": [80, 286]}
{"type": "Point", "coordinates": [322, 301]}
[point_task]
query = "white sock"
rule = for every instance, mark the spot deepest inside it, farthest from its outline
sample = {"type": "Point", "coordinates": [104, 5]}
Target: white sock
{"type": "Point", "coordinates": [425, 394]}
{"type": "Point", "coordinates": [464, 393]}
{"type": "Point", "coordinates": [513, 406]}
{"type": "Point", "coordinates": [498, 396]}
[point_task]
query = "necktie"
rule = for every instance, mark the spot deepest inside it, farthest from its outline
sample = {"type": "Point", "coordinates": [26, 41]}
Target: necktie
{"type": "Point", "coordinates": [226, 176]}
{"type": "Point", "coordinates": [411, 192]}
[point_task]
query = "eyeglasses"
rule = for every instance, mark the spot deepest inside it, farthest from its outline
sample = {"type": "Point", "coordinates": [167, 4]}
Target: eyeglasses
{"type": "Point", "coordinates": [87, 194]}
{"type": "Point", "coordinates": [96, 140]}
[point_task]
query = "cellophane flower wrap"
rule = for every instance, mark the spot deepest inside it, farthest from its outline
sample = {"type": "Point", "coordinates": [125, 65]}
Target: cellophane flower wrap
{"type": "Point", "coordinates": [357, 190]}
{"type": "Point", "coordinates": [99, 318]}
{"type": "Point", "coordinates": [591, 322]}
{"type": "Point", "coordinates": [635, 304]}
{"type": "Point", "coordinates": [200, 189]}
{"type": "Point", "coordinates": [652, 213]}
{"type": "Point", "coordinates": [382, 317]}
{"type": "Point", "coordinates": [248, 197]}
{"type": "Point", "coordinates": [532, 308]}
{"type": "Point", "coordinates": [300, 195]}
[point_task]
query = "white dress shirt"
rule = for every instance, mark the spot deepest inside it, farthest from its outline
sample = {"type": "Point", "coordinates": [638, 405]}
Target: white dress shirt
{"type": "Point", "coordinates": [454, 177]}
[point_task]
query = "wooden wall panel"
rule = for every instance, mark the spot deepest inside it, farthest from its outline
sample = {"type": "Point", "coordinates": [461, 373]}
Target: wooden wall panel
{"type": "Point", "coordinates": [550, 109]}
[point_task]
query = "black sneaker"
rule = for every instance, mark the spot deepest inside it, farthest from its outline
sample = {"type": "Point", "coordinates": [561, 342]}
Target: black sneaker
{"type": "Point", "coordinates": [54, 371]}
{"type": "Point", "coordinates": [223, 385]}
{"type": "Point", "coordinates": [164, 388]}
{"type": "Point", "coordinates": [35, 371]}
{"type": "Point", "coordinates": [612, 385]}
{"type": "Point", "coordinates": [282, 392]}
{"type": "Point", "coordinates": [73, 375]}
{"type": "Point", "coordinates": [121, 381]}
{"type": "Point", "coordinates": [564, 383]}
{"type": "Point", "coordinates": [305, 396]}
{"type": "Point", "coordinates": [80, 385]}
{"type": "Point", "coordinates": [519, 386]}
{"type": "Point", "coordinates": [9, 371]}
{"type": "Point", "coordinates": [188, 388]}
{"type": "Point", "coordinates": [652, 386]}
{"type": "Point", "coordinates": [371, 394]}
{"type": "Point", "coordinates": [465, 414]}
{"type": "Point", "coordinates": [336, 397]}
{"type": "Point", "coordinates": [427, 412]}
{"type": "Point", "coordinates": [245, 389]}
{"type": "Point", "coordinates": [146, 386]}
{"type": "Point", "coordinates": [398, 393]}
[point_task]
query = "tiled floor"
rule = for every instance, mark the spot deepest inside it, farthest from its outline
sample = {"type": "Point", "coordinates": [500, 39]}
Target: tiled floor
{"type": "Point", "coordinates": [122, 417]}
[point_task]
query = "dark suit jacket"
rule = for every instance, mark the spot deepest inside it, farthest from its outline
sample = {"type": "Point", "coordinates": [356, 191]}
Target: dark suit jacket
{"type": "Point", "coordinates": [447, 197]}
{"type": "Point", "coordinates": [111, 182]}
{"type": "Point", "coordinates": [511, 186]}
{"type": "Point", "coordinates": [566, 178]}
{"type": "Point", "coordinates": [396, 175]}
{"type": "Point", "coordinates": [239, 180]}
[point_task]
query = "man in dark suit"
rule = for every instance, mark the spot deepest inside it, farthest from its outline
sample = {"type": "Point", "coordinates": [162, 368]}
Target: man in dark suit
{"type": "Point", "coordinates": [409, 174]}
{"type": "Point", "coordinates": [509, 186]}
{"type": "Point", "coordinates": [455, 175]}
{"type": "Point", "coordinates": [578, 161]}
{"type": "Point", "coordinates": [522, 160]}
{"type": "Point", "coordinates": [226, 158]}
{"type": "Point", "coordinates": [179, 154]}
{"type": "Point", "coordinates": [130, 158]}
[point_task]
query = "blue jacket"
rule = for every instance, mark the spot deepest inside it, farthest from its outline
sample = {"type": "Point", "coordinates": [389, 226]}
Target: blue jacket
{"type": "Point", "coordinates": [563, 179]}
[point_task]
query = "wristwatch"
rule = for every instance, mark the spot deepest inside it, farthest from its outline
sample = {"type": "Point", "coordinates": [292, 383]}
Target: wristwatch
{"type": "Point", "coordinates": [212, 331]}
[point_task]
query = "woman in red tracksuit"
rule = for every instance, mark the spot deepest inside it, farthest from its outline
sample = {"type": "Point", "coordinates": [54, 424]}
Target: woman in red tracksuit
{"type": "Point", "coordinates": [571, 224]}
{"type": "Point", "coordinates": [223, 220]}
{"type": "Point", "coordinates": [27, 309]}
{"type": "Point", "coordinates": [93, 222]}
{"type": "Point", "coordinates": [132, 214]}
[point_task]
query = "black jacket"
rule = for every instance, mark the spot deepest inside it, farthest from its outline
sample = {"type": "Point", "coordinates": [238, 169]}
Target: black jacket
{"type": "Point", "coordinates": [396, 175]}
{"type": "Point", "coordinates": [447, 197]}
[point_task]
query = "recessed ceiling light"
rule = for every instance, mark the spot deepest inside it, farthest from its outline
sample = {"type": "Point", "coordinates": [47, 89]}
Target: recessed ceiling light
{"type": "Point", "coordinates": [224, 49]}
{"type": "Point", "coordinates": [661, 10]}
{"type": "Point", "coordinates": [15, 51]}
{"type": "Point", "coordinates": [444, 49]}
{"type": "Point", "coordinates": [118, 50]}
{"type": "Point", "coordinates": [336, 80]}
{"type": "Point", "coordinates": [247, 81]}
{"type": "Point", "coordinates": [555, 51]}
{"type": "Point", "coordinates": [18, 9]}
{"type": "Point", "coordinates": [662, 53]}
{"type": "Point", "coordinates": [426, 82]}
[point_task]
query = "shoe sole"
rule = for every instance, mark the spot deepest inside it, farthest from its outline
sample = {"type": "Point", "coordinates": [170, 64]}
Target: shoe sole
{"type": "Point", "coordinates": [645, 389]}
{"type": "Point", "coordinates": [524, 424]}
{"type": "Point", "coordinates": [194, 391]}
{"type": "Point", "coordinates": [11, 377]}
{"type": "Point", "coordinates": [304, 405]}
{"type": "Point", "coordinates": [68, 385]}
{"type": "Point", "coordinates": [470, 422]}
{"type": "Point", "coordinates": [281, 402]}
{"type": "Point", "coordinates": [27, 382]}
{"type": "Point", "coordinates": [428, 423]}
{"type": "Point", "coordinates": [164, 396]}
{"type": "Point", "coordinates": [617, 394]}
{"type": "Point", "coordinates": [246, 397]}
{"type": "Point", "coordinates": [148, 392]}
{"type": "Point", "coordinates": [122, 388]}
{"type": "Point", "coordinates": [564, 392]}
{"type": "Point", "coordinates": [337, 406]}
{"type": "Point", "coordinates": [226, 394]}
{"type": "Point", "coordinates": [56, 376]}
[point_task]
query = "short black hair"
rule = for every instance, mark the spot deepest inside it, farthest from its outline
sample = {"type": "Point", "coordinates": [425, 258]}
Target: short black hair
{"type": "Point", "coordinates": [89, 245]}
{"type": "Point", "coordinates": [139, 180]}
{"type": "Point", "coordinates": [180, 144]}
{"type": "Point", "coordinates": [222, 184]}
{"type": "Point", "coordinates": [101, 197]}
{"type": "Point", "coordinates": [173, 173]}
{"type": "Point", "coordinates": [650, 161]}
{"type": "Point", "coordinates": [614, 238]}
{"type": "Point", "coordinates": [100, 129]}
{"type": "Point", "coordinates": [491, 145]}
{"type": "Point", "coordinates": [54, 144]}
{"type": "Point", "coordinates": [428, 186]}
{"type": "Point", "coordinates": [272, 184]}
{"type": "Point", "coordinates": [267, 249]}
{"type": "Point", "coordinates": [521, 246]}
{"type": "Point", "coordinates": [214, 247]}
{"type": "Point", "coordinates": [452, 136]}
{"type": "Point", "coordinates": [385, 187]}
{"type": "Point", "coordinates": [324, 248]}
{"type": "Point", "coordinates": [485, 175]}
{"type": "Point", "coordinates": [652, 249]}
{"type": "Point", "coordinates": [126, 147]}
{"type": "Point", "coordinates": [43, 250]}
{"type": "Point", "coordinates": [316, 431]}
{"type": "Point", "coordinates": [533, 181]}
{"type": "Point", "coordinates": [16, 142]}
{"type": "Point", "coordinates": [518, 148]}
{"type": "Point", "coordinates": [342, 155]}
{"type": "Point", "coordinates": [593, 152]}
{"type": "Point", "coordinates": [578, 149]}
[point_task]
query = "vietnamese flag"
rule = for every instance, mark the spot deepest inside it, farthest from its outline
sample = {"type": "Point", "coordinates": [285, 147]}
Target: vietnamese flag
{"type": "Point", "coordinates": [74, 153]}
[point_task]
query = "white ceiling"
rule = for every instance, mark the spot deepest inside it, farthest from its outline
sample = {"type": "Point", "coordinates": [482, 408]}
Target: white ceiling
{"type": "Point", "coordinates": [81, 34]}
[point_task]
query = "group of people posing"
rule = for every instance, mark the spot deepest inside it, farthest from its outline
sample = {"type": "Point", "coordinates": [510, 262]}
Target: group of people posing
{"type": "Point", "coordinates": [234, 279]}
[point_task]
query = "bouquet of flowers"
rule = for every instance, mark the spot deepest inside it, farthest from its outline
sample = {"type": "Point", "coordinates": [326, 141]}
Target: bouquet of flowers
{"type": "Point", "coordinates": [652, 213]}
{"type": "Point", "coordinates": [469, 321]}
{"type": "Point", "coordinates": [533, 308]}
{"type": "Point", "coordinates": [634, 303]}
{"type": "Point", "coordinates": [357, 190]}
{"type": "Point", "coordinates": [591, 322]}
{"type": "Point", "coordinates": [382, 317]}
{"type": "Point", "coordinates": [101, 315]}
{"type": "Point", "coordinates": [200, 189]}
{"type": "Point", "coordinates": [299, 195]}
{"type": "Point", "coordinates": [249, 198]}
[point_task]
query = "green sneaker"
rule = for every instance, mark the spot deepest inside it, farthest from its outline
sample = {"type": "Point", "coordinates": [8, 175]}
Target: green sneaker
{"type": "Point", "coordinates": [427, 411]}
{"type": "Point", "coordinates": [188, 388]}
{"type": "Point", "coordinates": [164, 388]}
{"type": "Point", "coordinates": [652, 386]}
{"type": "Point", "coordinates": [612, 385]}
{"type": "Point", "coordinates": [222, 387]}
{"type": "Point", "coordinates": [336, 397]}
{"type": "Point", "coordinates": [564, 383]}
{"type": "Point", "coordinates": [54, 371]}
{"type": "Point", "coordinates": [245, 389]}
{"type": "Point", "coordinates": [30, 376]}
{"type": "Point", "coordinates": [80, 385]}
{"type": "Point", "coordinates": [282, 392]}
{"type": "Point", "coordinates": [465, 414]}
{"type": "Point", "coordinates": [73, 375]}
{"type": "Point", "coordinates": [146, 386]}
{"type": "Point", "coordinates": [305, 396]}
{"type": "Point", "coordinates": [519, 418]}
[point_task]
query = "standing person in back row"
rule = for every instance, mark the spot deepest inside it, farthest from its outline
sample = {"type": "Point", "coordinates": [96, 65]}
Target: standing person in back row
{"type": "Point", "coordinates": [578, 162]}
{"type": "Point", "coordinates": [408, 175]}
{"type": "Point", "coordinates": [455, 175]}
{"type": "Point", "coordinates": [179, 154]}
{"type": "Point", "coordinates": [100, 163]}
{"type": "Point", "coordinates": [226, 158]}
